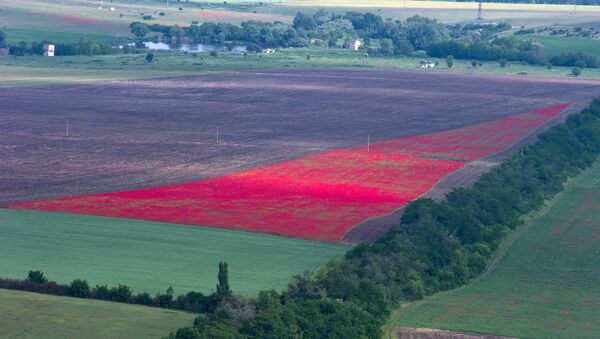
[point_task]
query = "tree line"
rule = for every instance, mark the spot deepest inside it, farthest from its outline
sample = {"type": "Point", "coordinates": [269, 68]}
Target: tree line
{"type": "Point", "coordinates": [196, 302]}
{"type": "Point", "coordinates": [322, 28]}
{"type": "Point", "coordinates": [510, 49]}
{"type": "Point", "coordinates": [438, 246]}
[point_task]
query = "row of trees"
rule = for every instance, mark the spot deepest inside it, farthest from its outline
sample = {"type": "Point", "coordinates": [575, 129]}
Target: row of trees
{"type": "Point", "coordinates": [78, 288]}
{"type": "Point", "coordinates": [508, 48]}
{"type": "Point", "coordinates": [438, 246]}
{"type": "Point", "coordinates": [83, 47]}
{"type": "Point", "coordinates": [325, 28]}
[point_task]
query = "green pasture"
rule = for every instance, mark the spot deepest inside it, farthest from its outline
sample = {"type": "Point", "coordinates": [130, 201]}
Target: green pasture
{"type": "Point", "coordinates": [39, 70]}
{"type": "Point", "coordinates": [16, 35]}
{"type": "Point", "coordinates": [33, 315]}
{"type": "Point", "coordinates": [151, 256]}
{"type": "Point", "coordinates": [554, 45]}
{"type": "Point", "coordinates": [544, 282]}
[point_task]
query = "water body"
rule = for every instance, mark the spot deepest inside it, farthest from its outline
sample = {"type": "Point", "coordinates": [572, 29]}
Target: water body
{"type": "Point", "coordinates": [192, 48]}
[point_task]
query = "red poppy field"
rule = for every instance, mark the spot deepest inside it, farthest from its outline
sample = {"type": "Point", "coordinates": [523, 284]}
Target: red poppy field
{"type": "Point", "coordinates": [319, 197]}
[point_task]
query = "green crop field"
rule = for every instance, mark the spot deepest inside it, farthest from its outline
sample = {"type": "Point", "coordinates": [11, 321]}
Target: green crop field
{"type": "Point", "coordinates": [33, 315]}
{"type": "Point", "coordinates": [545, 286]}
{"type": "Point", "coordinates": [151, 256]}
{"type": "Point", "coordinates": [554, 45]}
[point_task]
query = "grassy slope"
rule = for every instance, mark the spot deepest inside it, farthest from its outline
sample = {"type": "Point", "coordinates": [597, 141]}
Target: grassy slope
{"type": "Point", "coordinates": [546, 285]}
{"type": "Point", "coordinates": [32, 315]}
{"type": "Point", "coordinates": [26, 71]}
{"type": "Point", "coordinates": [150, 256]}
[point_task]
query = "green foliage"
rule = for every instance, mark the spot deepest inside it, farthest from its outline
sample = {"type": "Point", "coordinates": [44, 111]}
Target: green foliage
{"type": "Point", "coordinates": [37, 277]}
{"type": "Point", "coordinates": [497, 49]}
{"type": "Point", "coordinates": [450, 61]}
{"type": "Point", "coordinates": [139, 29]}
{"type": "Point", "coordinates": [575, 60]}
{"type": "Point", "coordinates": [79, 288]}
{"type": "Point", "coordinates": [223, 290]}
{"type": "Point", "coordinates": [3, 43]}
{"type": "Point", "coordinates": [576, 72]}
{"type": "Point", "coordinates": [149, 57]}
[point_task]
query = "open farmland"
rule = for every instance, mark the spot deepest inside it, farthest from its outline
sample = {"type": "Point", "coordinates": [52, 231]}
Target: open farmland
{"type": "Point", "coordinates": [33, 315]}
{"type": "Point", "coordinates": [320, 197]}
{"type": "Point", "coordinates": [150, 256]}
{"type": "Point", "coordinates": [137, 134]}
{"type": "Point", "coordinates": [544, 283]}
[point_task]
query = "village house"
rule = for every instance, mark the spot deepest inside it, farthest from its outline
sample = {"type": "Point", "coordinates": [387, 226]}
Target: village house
{"type": "Point", "coordinates": [355, 45]}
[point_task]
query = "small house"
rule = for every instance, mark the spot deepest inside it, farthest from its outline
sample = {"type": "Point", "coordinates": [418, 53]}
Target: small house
{"type": "Point", "coordinates": [426, 64]}
{"type": "Point", "coordinates": [49, 50]}
{"type": "Point", "coordinates": [269, 51]}
{"type": "Point", "coordinates": [355, 45]}
{"type": "Point", "coordinates": [4, 51]}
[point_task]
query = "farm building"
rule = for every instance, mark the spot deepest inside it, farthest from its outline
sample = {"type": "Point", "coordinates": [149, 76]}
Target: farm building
{"type": "Point", "coordinates": [426, 64]}
{"type": "Point", "coordinates": [355, 45]}
{"type": "Point", "coordinates": [3, 51]}
{"type": "Point", "coordinates": [269, 51]}
{"type": "Point", "coordinates": [49, 50]}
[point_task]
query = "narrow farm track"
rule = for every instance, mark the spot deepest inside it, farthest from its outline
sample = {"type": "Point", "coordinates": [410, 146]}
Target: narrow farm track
{"type": "Point", "coordinates": [320, 197]}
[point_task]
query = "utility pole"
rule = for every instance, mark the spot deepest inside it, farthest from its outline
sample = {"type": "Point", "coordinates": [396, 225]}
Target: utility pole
{"type": "Point", "coordinates": [479, 12]}
{"type": "Point", "coordinates": [217, 135]}
{"type": "Point", "coordinates": [368, 143]}
{"type": "Point", "coordinates": [67, 134]}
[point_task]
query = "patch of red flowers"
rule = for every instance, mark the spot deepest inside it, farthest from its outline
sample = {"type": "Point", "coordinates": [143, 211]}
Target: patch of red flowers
{"type": "Point", "coordinates": [319, 197]}
{"type": "Point", "coordinates": [472, 142]}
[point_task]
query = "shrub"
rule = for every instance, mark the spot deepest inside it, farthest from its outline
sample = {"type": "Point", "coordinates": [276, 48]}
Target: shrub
{"type": "Point", "coordinates": [576, 72]}
{"type": "Point", "coordinates": [79, 288]}
{"type": "Point", "coordinates": [450, 61]}
{"type": "Point", "coordinates": [37, 277]}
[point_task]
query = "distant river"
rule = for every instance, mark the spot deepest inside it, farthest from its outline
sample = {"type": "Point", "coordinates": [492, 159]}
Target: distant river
{"type": "Point", "coordinates": [193, 48]}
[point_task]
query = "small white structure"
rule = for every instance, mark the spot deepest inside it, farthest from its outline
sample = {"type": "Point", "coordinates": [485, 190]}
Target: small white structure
{"type": "Point", "coordinates": [49, 50]}
{"type": "Point", "coordinates": [355, 45]}
{"type": "Point", "coordinates": [426, 64]}
{"type": "Point", "coordinates": [269, 51]}
{"type": "Point", "coordinates": [112, 9]}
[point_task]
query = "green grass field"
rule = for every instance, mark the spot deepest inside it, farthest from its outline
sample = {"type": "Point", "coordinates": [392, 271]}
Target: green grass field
{"type": "Point", "coordinates": [151, 256]}
{"type": "Point", "coordinates": [33, 315]}
{"type": "Point", "coordinates": [554, 45]}
{"type": "Point", "coordinates": [38, 70]}
{"type": "Point", "coordinates": [16, 35]}
{"type": "Point", "coordinates": [545, 286]}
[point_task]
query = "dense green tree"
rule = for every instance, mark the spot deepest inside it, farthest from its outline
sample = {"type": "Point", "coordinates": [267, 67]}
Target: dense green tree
{"type": "Point", "coordinates": [139, 29]}
{"type": "Point", "coordinates": [223, 289]}
{"type": "Point", "coordinates": [37, 277]}
{"type": "Point", "coordinates": [79, 288]}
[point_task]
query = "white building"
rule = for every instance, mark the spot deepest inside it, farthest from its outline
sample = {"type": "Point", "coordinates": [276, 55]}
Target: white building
{"type": "Point", "coordinates": [49, 50]}
{"type": "Point", "coordinates": [355, 45]}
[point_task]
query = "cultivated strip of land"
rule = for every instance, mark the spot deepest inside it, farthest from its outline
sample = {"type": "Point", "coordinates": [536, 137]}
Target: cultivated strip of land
{"type": "Point", "coordinates": [544, 286]}
{"type": "Point", "coordinates": [33, 315]}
